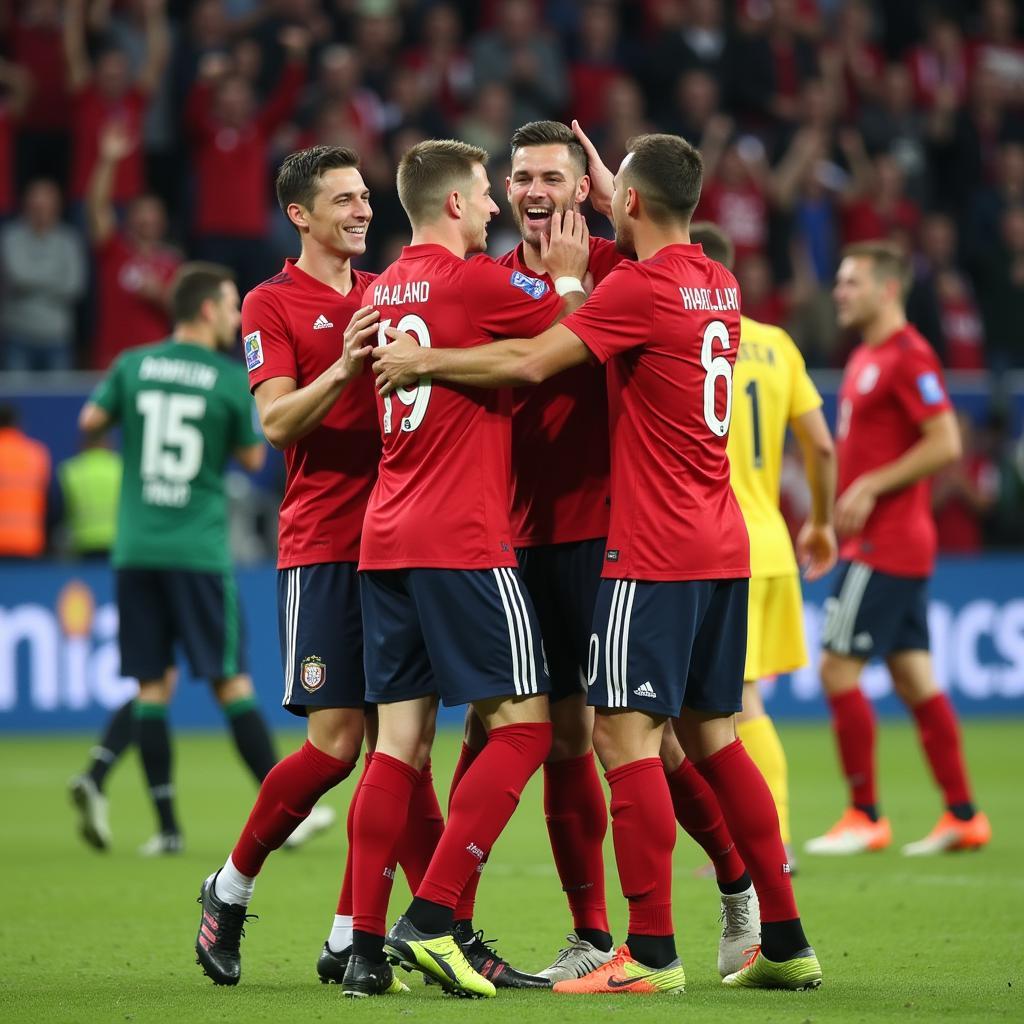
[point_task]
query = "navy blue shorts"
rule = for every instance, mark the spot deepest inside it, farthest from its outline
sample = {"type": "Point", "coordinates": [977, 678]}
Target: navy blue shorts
{"type": "Point", "coordinates": [159, 609]}
{"type": "Point", "coordinates": [464, 634]}
{"type": "Point", "coordinates": [562, 580]}
{"type": "Point", "coordinates": [321, 630]}
{"type": "Point", "coordinates": [661, 646]}
{"type": "Point", "coordinates": [872, 614]}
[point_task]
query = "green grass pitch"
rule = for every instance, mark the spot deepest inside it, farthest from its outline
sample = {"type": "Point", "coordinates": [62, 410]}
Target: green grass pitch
{"type": "Point", "coordinates": [108, 938]}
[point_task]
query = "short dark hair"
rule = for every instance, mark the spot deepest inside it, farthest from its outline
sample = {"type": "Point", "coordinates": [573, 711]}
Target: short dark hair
{"type": "Point", "coordinates": [550, 133]}
{"type": "Point", "coordinates": [888, 260]}
{"type": "Point", "coordinates": [667, 172]}
{"type": "Point", "coordinates": [429, 171]}
{"type": "Point", "coordinates": [716, 243]}
{"type": "Point", "coordinates": [298, 178]}
{"type": "Point", "coordinates": [193, 285]}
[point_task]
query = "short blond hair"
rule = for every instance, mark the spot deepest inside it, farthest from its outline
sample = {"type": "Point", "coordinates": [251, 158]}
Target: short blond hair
{"type": "Point", "coordinates": [430, 171]}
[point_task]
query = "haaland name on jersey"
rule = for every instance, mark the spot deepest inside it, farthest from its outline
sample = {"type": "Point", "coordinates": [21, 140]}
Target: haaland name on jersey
{"type": "Point", "coordinates": [399, 294]}
{"type": "Point", "coordinates": [714, 299]}
{"type": "Point", "coordinates": [178, 371]}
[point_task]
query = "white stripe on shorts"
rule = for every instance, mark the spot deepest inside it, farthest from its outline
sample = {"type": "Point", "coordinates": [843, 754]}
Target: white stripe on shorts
{"type": "Point", "coordinates": [514, 639]}
{"type": "Point", "coordinates": [294, 591]}
{"type": "Point", "coordinates": [851, 594]}
{"type": "Point", "coordinates": [531, 684]}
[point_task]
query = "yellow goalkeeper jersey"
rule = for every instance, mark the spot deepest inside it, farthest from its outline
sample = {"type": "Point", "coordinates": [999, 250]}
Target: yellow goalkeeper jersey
{"type": "Point", "coordinates": [770, 389]}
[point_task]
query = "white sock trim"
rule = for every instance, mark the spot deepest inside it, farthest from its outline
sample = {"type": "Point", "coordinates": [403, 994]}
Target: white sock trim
{"type": "Point", "coordinates": [341, 933]}
{"type": "Point", "coordinates": [234, 887]}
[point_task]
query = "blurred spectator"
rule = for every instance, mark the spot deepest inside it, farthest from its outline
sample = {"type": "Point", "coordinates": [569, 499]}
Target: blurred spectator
{"type": "Point", "coordinates": [24, 481]}
{"type": "Point", "coordinates": [963, 494]}
{"type": "Point", "coordinates": [36, 44]}
{"type": "Point", "coordinates": [89, 487]}
{"type": "Point", "coordinates": [134, 264]}
{"type": "Point", "coordinates": [695, 107]}
{"type": "Point", "coordinates": [938, 64]}
{"type": "Point", "coordinates": [107, 91]}
{"type": "Point", "coordinates": [624, 117]}
{"type": "Point", "coordinates": [998, 51]}
{"type": "Point", "coordinates": [489, 123]}
{"type": "Point", "coordinates": [230, 134]}
{"type": "Point", "coordinates": [986, 205]}
{"type": "Point", "coordinates": [736, 192]}
{"type": "Point", "coordinates": [377, 41]}
{"type": "Point", "coordinates": [595, 61]}
{"type": "Point", "coordinates": [1000, 280]}
{"type": "Point", "coordinates": [776, 60]}
{"type": "Point", "coordinates": [520, 54]}
{"type": "Point", "coordinates": [338, 95]}
{"type": "Point", "coordinates": [879, 206]}
{"type": "Point", "coordinates": [408, 107]}
{"type": "Point", "coordinates": [684, 38]}
{"type": "Point", "coordinates": [853, 60]}
{"type": "Point", "coordinates": [12, 107]}
{"type": "Point", "coordinates": [941, 302]}
{"type": "Point", "coordinates": [893, 124]}
{"type": "Point", "coordinates": [443, 68]}
{"type": "Point", "coordinates": [43, 270]}
{"type": "Point", "coordinates": [761, 300]}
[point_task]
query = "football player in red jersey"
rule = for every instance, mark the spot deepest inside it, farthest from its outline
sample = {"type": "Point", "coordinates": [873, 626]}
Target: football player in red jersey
{"type": "Point", "coordinates": [304, 337]}
{"type": "Point", "coordinates": [669, 631]}
{"type": "Point", "coordinates": [896, 429]}
{"type": "Point", "coordinates": [444, 611]}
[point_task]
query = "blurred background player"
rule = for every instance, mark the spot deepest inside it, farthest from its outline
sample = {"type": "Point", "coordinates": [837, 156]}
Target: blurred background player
{"type": "Point", "coordinates": [444, 611]}
{"type": "Point", "coordinates": [25, 475]}
{"type": "Point", "coordinates": [677, 650]}
{"type": "Point", "coordinates": [302, 332]}
{"type": "Point", "coordinates": [772, 391]}
{"type": "Point", "coordinates": [184, 411]}
{"type": "Point", "coordinates": [896, 429]}
{"type": "Point", "coordinates": [559, 523]}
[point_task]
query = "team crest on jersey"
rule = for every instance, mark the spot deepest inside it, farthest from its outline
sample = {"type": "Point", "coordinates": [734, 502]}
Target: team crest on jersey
{"type": "Point", "coordinates": [312, 673]}
{"type": "Point", "coordinates": [868, 378]}
{"type": "Point", "coordinates": [533, 286]}
{"type": "Point", "coordinates": [253, 345]}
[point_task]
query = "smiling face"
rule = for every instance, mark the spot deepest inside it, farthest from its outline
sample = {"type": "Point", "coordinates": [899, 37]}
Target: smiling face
{"type": "Point", "coordinates": [340, 213]}
{"type": "Point", "coordinates": [544, 179]}
{"type": "Point", "coordinates": [478, 209]}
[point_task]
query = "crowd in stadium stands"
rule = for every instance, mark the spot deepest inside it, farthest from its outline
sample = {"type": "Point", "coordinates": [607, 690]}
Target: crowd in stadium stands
{"type": "Point", "coordinates": [136, 132]}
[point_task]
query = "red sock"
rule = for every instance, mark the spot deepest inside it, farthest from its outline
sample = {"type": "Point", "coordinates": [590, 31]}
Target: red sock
{"type": "Point", "coordinates": [940, 737]}
{"type": "Point", "coordinates": [481, 806]}
{"type": "Point", "coordinates": [345, 897]}
{"type": "Point", "coordinates": [644, 834]}
{"type": "Point", "coordinates": [577, 822]}
{"type": "Point", "coordinates": [853, 721]}
{"type": "Point", "coordinates": [379, 820]}
{"type": "Point", "coordinates": [423, 829]}
{"type": "Point", "coordinates": [700, 816]}
{"type": "Point", "coordinates": [749, 810]}
{"type": "Point", "coordinates": [466, 903]}
{"type": "Point", "coordinates": [286, 797]}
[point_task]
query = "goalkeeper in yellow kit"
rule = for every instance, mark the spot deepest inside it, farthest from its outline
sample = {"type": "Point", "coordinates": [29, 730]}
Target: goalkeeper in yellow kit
{"type": "Point", "coordinates": [772, 391]}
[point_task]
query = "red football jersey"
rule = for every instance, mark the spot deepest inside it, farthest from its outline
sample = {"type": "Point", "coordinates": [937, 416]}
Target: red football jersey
{"type": "Point", "coordinates": [888, 391]}
{"type": "Point", "coordinates": [125, 317]}
{"type": "Point", "coordinates": [443, 493]}
{"type": "Point", "coordinates": [293, 326]}
{"type": "Point", "coordinates": [560, 440]}
{"type": "Point", "coordinates": [673, 322]}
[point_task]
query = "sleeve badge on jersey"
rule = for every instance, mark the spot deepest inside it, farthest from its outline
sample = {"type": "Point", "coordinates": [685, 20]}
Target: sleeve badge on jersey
{"type": "Point", "coordinates": [313, 673]}
{"type": "Point", "coordinates": [930, 388]}
{"type": "Point", "coordinates": [533, 286]}
{"type": "Point", "coordinates": [253, 345]}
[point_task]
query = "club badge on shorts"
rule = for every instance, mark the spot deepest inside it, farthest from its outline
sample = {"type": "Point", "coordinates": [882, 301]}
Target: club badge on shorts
{"type": "Point", "coordinates": [312, 673]}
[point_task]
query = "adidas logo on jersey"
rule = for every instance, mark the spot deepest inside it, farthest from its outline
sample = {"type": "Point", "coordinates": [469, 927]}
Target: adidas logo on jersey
{"type": "Point", "coordinates": [645, 690]}
{"type": "Point", "coordinates": [321, 323]}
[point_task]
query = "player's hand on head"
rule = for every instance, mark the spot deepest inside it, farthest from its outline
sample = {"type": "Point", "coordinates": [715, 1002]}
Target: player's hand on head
{"type": "Point", "coordinates": [566, 251]}
{"type": "Point", "coordinates": [816, 550]}
{"type": "Point", "coordinates": [854, 506]}
{"type": "Point", "coordinates": [355, 341]}
{"type": "Point", "coordinates": [601, 178]}
{"type": "Point", "coordinates": [395, 363]}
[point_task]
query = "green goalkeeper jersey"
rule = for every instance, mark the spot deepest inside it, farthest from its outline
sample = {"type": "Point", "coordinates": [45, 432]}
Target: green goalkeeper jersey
{"type": "Point", "coordinates": [183, 409]}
